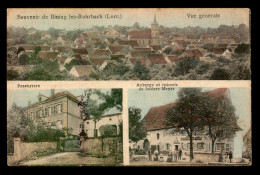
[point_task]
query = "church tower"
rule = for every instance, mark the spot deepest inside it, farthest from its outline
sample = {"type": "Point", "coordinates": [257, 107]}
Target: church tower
{"type": "Point", "coordinates": [155, 29]}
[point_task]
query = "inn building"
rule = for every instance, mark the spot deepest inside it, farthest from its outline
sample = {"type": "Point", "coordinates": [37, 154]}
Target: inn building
{"type": "Point", "coordinates": [163, 138]}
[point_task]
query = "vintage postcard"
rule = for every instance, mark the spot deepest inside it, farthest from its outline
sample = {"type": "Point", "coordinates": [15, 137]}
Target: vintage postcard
{"type": "Point", "coordinates": [129, 87]}
{"type": "Point", "coordinates": [128, 44]}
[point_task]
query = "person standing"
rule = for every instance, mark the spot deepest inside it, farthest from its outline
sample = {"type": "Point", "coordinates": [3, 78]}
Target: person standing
{"type": "Point", "coordinates": [175, 155]}
{"type": "Point", "coordinates": [150, 154]}
{"type": "Point", "coordinates": [179, 154]}
{"type": "Point", "coordinates": [230, 156]}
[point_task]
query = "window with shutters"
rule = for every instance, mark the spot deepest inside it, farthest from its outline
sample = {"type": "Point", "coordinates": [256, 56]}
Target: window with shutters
{"type": "Point", "coordinates": [168, 146]}
{"type": "Point", "coordinates": [227, 147]}
{"type": "Point", "coordinates": [55, 109]}
{"type": "Point", "coordinates": [219, 146]}
{"type": "Point", "coordinates": [49, 111]}
{"type": "Point", "coordinates": [45, 111]}
{"type": "Point", "coordinates": [58, 108]}
{"type": "Point", "coordinates": [52, 110]}
{"type": "Point", "coordinates": [158, 136]}
{"type": "Point", "coordinates": [201, 146]}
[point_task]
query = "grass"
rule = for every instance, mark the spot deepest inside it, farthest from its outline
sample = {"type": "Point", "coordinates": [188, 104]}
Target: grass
{"type": "Point", "coordinates": [41, 153]}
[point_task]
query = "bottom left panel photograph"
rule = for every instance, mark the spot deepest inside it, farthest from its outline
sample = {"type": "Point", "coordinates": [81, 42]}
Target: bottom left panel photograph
{"type": "Point", "coordinates": [64, 127]}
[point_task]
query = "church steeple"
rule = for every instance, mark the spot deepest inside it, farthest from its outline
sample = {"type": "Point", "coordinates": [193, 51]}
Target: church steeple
{"type": "Point", "coordinates": [154, 20]}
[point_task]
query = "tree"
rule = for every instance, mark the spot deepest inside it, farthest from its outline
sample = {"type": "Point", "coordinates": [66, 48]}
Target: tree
{"type": "Point", "coordinates": [12, 75]}
{"type": "Point", "coordinates": [23, 59]}
{"type": "Point", "coordinates": [184, 65]}
{"type": "Point", "coordinates": [220, 74]}
{"type": "Point", "coordinates": [16, 122]}
{"type": "Point", "coordinates": [95, 109]}
{"type": "Point", "coordinates": [136, 130]}
{"type": "Point", "coordinates": [242, 48]}
{"type": "Point", "coordinates": [187, 113]}
{"type": "Point", "coordinates": [220, 119]}
{"type": "Point", "coordinates": [111, 99]}
{"type": "Point", "coordinates": [136, 25]}
{"type": "Point", "coordinates": [140, 71]}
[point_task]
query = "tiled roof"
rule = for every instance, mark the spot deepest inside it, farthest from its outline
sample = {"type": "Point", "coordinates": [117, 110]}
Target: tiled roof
{"type": "Point", "coordinates": [100, 52]}
{"type": "Point", "coordinates": [156, 116]}
{"type": "Point", "coordinates": [194, 53]}
{"type": "Point", "coordinates": [156, 59]}
{"type": "Point", "coordinates": [217, 50]}
{"type": "Point", "coordinates": [142, 48]}
{"type": "Point", "coordinates": [180, 42]}
{"type": "Point", "coordinates": [156, 47]}
{"type": "Point", "coordinates": [173, 58]}
{"type": "Point", "coordinates": [80, 51]}
{"type": "Point", "coordinates": [132, 43]}
{"type": "Point", "coordinates": [84, 70]}
{"type": "Point", "coordinates": [141, 60]}
{"type": "Point", "coordinates": [116, 49]}
{"type": "Point", "coordinates": [46, 54]}
{"type": "Point", "coordinates": [227, 37]}
{"type": "Point", "coordinates": [62, 59]}
{"type": "Point", "coordinates": [139, 53]}
{"type": "Point", "coordinates": [140, 34]}
{"type": "Point", "coordinates": [205, 37]}
{"type": "Point", "coordinates": [96, 62]}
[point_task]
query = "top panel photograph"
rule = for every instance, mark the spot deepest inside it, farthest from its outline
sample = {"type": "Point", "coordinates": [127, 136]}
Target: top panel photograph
{"type": "Point", "coordinates": [128, 44]}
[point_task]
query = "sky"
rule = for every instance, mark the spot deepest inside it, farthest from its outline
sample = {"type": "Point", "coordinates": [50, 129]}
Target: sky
{"type": "Point", "coordinates": [240, 97]}
{"type": "Point", "coordinates": [21, 97]}
{"type": "Point", "coordinates": [168, 17]}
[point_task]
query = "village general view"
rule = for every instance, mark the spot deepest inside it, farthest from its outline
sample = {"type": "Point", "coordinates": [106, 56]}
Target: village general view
{"type": "Point", "coordinates": [133, 52]}
{"type": "Point", "coordinates": [211, 131]}
{"type": "Point", "coordinates": [58, 127]}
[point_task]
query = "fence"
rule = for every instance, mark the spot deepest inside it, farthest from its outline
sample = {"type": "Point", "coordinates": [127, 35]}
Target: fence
{"type": "Point", "coordinates": [108, 146]}
{"type": "Point", "coordinates": [23, 149]}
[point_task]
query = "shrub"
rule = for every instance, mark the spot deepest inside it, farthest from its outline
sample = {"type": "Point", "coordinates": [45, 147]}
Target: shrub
{"type": "Point", "coordinates": [12, 74]}
{"type": "Point", "coordinates": [220, 74]}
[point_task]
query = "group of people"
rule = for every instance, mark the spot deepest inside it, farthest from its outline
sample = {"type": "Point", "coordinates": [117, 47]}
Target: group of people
{"type": "Point", "coordinates": [172, 156]}
{"type": "Point", "coordinates": [228, 156]}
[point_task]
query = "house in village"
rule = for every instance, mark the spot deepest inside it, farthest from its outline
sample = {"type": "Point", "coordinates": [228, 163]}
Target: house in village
{"type": "Point", "coordinates": [98, 62]}
{"type": "Point", "coordinates": [79, 43]}
{"type": "Point", "coordinates": [132, 43]}
{"type": "Point", "coordinates": [132, 61]}
{"type": "Point", "coordinates": [106, 62]}
{"type": "Point", "coordinates": [173, 58]}
{"type": "Point", "coordinates": [226, 39]}
{"type": "Point", "coordinates": [111, 34]}
{"type": "Point", "coordinates": [153, 59]}
{"type": "Point", "coordinates": [146, 37]}
{"type": "Point", "coordinates": [100, 53]}
{"type": "Point", "coordinates": [80, 71]}
{"type": "Point", "coordinates": [48, 55]}
{"type": "Point", "coordinates": [59, 110]}
{"type": "Point", "coordinates": [113, 120]}
{"type": "Point", "coordinates": [194, 53]}
{"type": "Point", "coordinates": [164, 138]}
{"type": "Point", "coordinates": [82, 52]}
{"type": "Point", "coordinates": [207, 39]}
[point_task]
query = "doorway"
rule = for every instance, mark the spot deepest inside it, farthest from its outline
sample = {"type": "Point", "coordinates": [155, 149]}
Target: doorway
{"type": "Point", "coordinates": [176, 147]}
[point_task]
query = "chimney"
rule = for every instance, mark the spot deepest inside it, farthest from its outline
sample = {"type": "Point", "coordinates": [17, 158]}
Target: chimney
{"type": "Point", "coordinates": [29, 103]}
{"type": "Point", "coordinates": [52, 92]}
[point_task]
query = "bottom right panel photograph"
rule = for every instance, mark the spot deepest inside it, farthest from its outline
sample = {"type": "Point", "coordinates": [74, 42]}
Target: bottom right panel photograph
{"type": "Point", "coordinates": [203, 126]}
